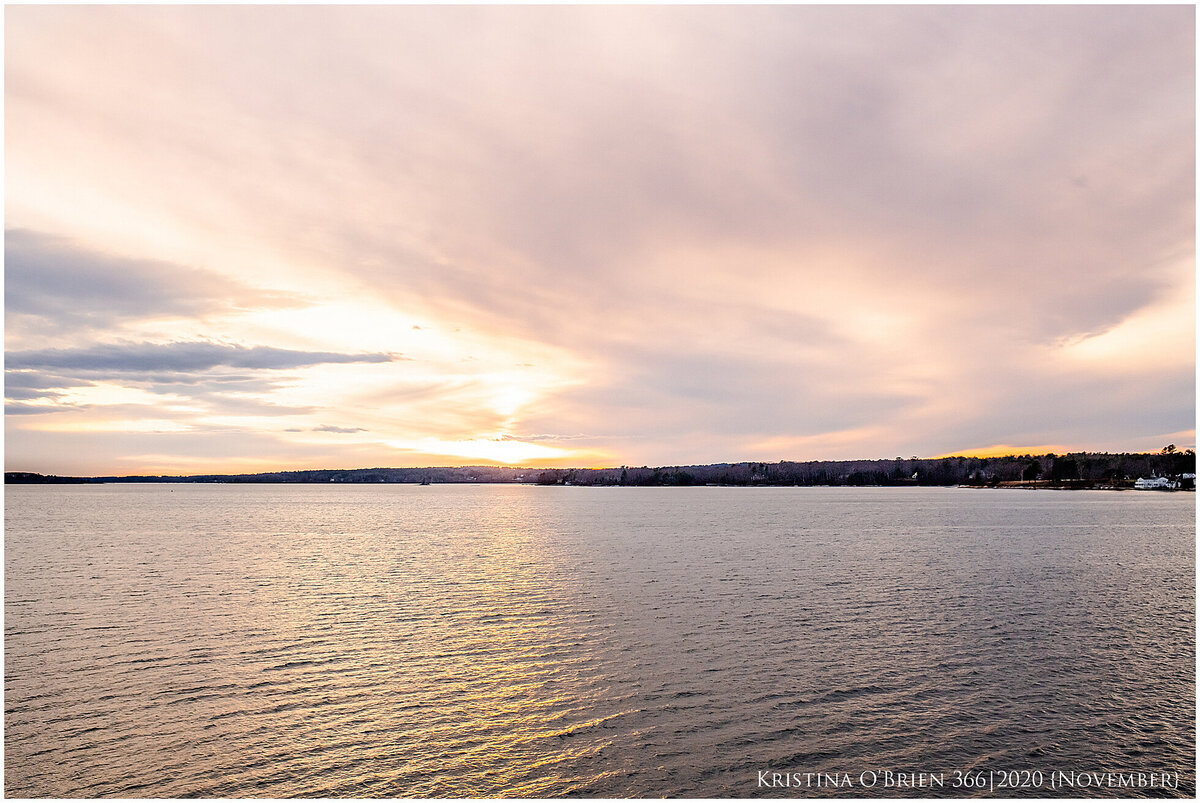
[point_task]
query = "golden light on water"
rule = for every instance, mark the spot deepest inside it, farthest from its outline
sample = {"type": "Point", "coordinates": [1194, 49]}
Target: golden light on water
{"type": "Point", "coordinates": [358, 641]}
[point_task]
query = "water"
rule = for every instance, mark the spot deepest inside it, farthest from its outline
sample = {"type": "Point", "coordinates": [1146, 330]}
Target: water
{"type": "Point", "coordinates": [277, 641]}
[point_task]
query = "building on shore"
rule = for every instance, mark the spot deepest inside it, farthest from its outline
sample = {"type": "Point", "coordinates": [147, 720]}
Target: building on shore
{"type": "Point", "coordinates": [1155, 484]}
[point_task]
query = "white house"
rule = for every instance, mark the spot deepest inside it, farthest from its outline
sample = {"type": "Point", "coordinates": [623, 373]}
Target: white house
{"type": "Point", "coordinates": [1154, 484]}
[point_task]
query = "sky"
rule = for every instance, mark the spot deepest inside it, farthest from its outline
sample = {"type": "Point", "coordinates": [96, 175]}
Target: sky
{"type": "Point", "coordinates": [248, 238]}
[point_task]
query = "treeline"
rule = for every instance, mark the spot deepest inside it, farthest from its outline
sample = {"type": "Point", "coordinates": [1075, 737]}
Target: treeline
{"type": "Point", "coordinates": [462, 474]}
{"type": "Point", "coordinates": [29, 478]}
{"type": "Point", "coordinates": [1081, 468]}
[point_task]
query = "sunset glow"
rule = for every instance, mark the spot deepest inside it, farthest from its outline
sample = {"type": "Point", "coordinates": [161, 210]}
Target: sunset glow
{"type": "Point", "coordinates": [338, 237]}
{"type": "Point", "coordinates": [485, 450]}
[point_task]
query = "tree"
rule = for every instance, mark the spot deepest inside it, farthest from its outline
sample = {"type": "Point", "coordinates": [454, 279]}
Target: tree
{"type": "Point", "coordinates": [1064, 469]}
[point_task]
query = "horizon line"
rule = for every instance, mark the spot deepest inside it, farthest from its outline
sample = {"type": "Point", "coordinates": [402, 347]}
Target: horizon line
{"type": "Point", "coordinates": [512, 467]}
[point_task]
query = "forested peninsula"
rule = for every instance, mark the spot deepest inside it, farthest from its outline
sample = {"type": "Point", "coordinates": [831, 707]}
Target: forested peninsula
{"type": "Point", "coordinates": [1076, 470]}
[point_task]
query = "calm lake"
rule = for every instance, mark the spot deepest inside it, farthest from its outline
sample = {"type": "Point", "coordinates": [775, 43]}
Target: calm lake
{"type": "Point", "coordinates": [478, 641]}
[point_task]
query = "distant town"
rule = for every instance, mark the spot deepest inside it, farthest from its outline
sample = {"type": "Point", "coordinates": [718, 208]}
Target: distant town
{"type": "Point", "coordinates": [1167, 470]}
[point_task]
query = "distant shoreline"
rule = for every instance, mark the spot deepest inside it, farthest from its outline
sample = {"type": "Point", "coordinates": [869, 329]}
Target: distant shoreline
{"type": "Point", "coordinates": [1016, 486]}
{"type": "Point", "coordinates": [1075, 471]}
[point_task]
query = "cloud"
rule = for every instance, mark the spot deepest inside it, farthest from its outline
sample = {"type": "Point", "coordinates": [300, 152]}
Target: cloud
{"type": "Point", "coordinates": [54, 285]}
{"type": "Point", "coordinates": [940, 149]}
{"type": "Point", "coordinates": [195, 374]}
{"type": "Point", "coordinates": [546, 437]}
{"type": "Point", "coordinates": [27, 380]}
{"type": "Point", "coordinates": [221, 393]}
{"type": "Point", "coordinates": [29, 393]}
{"type": "Point", "coordinates": [126, 359]}
{"type": "Point", "coordinates": [31, 409]}
{"type": "Point", "coordinates": [340, 430]}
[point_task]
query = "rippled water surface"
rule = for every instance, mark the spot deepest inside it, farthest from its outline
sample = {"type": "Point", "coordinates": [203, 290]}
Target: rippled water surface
{"type": "Point", "coordinates": [274, 640]}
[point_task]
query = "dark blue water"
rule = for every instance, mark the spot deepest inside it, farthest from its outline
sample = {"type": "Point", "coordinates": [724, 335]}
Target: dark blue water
{"type": "Point", "coordinates": [275, 641]}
